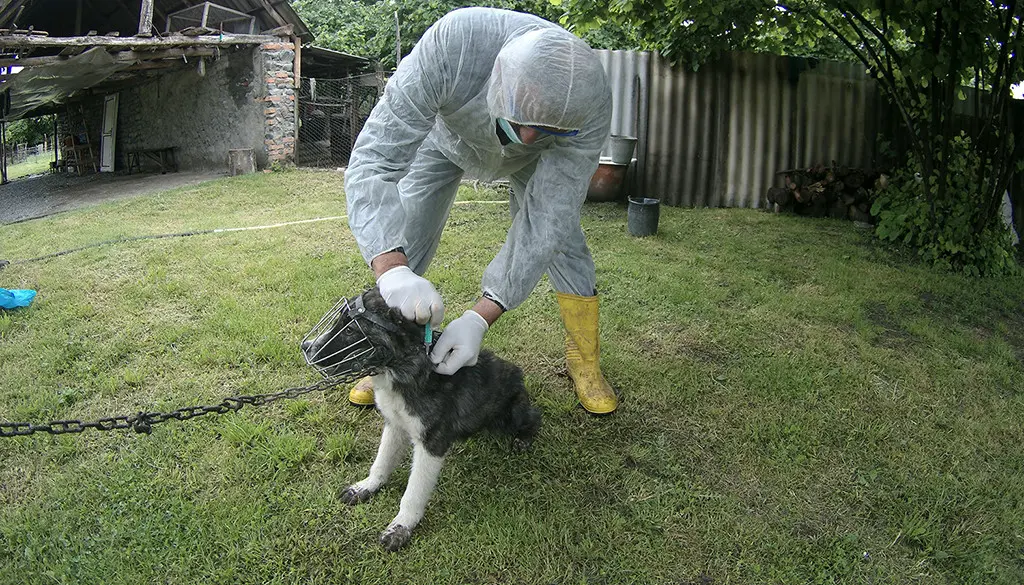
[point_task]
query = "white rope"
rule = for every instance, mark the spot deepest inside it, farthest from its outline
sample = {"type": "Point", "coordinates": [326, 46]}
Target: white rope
{"type": "Point", "coordinates": [317, 219]}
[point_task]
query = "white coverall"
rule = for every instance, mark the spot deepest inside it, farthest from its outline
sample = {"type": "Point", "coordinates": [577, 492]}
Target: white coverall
{"type": "Point", "coordinates": [437, 119]}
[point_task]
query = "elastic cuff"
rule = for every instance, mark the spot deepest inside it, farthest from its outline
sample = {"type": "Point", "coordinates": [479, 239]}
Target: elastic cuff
{"type": "Point", "coordinates": [399, 268]}
{"type": "Point", "coordinates": [490, 296]}
{"type": "Point", "coordinates": [388, 251]}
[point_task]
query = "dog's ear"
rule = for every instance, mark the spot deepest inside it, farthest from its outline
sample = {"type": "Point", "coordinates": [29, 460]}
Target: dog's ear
{"type": "Point", "coordinates": [373, 300]}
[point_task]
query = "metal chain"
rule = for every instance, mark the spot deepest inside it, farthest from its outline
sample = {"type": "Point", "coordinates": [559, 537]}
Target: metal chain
{"type": "Point", "coordinates": [143, 422]}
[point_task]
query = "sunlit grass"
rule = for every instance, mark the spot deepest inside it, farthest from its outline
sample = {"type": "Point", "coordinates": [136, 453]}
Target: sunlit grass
{"type": "Point", "coordinates": [33, 165]}
{"type": "Point", "coordinates": [798, 406]}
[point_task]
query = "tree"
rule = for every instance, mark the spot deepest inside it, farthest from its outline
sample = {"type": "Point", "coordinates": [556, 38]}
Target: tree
{"type": "Point", "coordinates": [30, 131]}
{"type": "Point", "coordinates": [691, 32]}
{"type": "Point", "coordinates": [924, 53]}
{"type": "Point", "coordinates": [367, 28]}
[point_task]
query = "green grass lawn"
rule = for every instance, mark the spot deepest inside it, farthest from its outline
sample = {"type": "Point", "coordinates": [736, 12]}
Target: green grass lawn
{"type": "Point", "coordinates": [798, 406]}
{"type": "Point", "coordinates": [33, 165]}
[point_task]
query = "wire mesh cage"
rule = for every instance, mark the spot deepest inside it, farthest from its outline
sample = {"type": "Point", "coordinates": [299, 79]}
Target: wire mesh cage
{"type": "Point", "coordinates": [331, 114]}
{"type": "Point", "coordinates": [211, 16]}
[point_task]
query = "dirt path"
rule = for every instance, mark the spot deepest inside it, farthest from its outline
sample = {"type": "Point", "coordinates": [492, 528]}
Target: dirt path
{"type": "Point", "coordinates": [42, 195]}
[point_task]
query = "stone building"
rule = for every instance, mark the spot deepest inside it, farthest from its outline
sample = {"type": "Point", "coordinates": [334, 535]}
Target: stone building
{"type": "Point", "coordinates": [166, 84]}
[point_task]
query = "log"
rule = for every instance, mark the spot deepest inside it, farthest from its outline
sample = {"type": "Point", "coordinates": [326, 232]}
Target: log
{"type": "Point", "coordinates": [241, 161]}
{"type": "Point", "coordinates": [826, 190]}
{"type": "Point", "coordinates": [858, 215]}
{"type": "Point", "coordinates": [839, 210]}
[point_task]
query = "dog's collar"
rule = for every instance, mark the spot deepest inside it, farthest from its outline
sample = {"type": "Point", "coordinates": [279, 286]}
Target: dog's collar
{"type": "Point", "coordinates": [357, 310]}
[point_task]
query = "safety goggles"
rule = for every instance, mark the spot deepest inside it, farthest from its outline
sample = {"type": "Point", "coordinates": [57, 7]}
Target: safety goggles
{"type": "Point", "coordinates": [512, 135]}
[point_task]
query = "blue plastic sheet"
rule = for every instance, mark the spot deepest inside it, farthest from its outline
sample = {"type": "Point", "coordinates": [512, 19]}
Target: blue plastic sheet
{"type": "Point", "coordinates": [12, 299]}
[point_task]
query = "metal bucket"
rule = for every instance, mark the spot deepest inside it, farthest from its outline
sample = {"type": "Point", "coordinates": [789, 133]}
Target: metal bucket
{"type": "Point", "coordinates": [607, 182]}
{"type": "Point", "coordinates": [620, 148]}
{"type": "Point", "coordinates": [642, 216]}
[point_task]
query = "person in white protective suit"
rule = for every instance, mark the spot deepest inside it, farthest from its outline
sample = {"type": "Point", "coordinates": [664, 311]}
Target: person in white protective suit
{"type": "Point", "coordinates": [499, 94]}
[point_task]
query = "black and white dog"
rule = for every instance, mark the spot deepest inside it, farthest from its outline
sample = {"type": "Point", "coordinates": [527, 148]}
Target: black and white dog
{"type": "Point", "coordinates": [419, 405]}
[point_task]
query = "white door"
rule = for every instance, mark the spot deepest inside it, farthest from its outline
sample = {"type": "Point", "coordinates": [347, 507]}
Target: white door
{"type": "Point", "coordinates": [109, 134]}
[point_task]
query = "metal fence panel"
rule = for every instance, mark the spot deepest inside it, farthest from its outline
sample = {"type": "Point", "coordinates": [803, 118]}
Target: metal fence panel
{"type": "Point", "coordinates": [718, 137]}
{"type": "Point", "coordinates": [629, 74]}
{"type": "Point", "coordinates": [331, 114]}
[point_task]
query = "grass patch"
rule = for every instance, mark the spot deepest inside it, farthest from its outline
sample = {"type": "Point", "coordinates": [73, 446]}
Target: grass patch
{"type": "Point", "coordinates": [33, 165]}
{"type": "Point", "coordinates": [798, 406]}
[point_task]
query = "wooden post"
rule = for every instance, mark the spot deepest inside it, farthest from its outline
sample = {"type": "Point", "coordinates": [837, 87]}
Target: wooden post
{"type": "Point", "coordinates": [398, 41]}
{"type": "Point", "coordinates": [297, 67]}
{"type": "Point", "coordinates": [3, 153]}
{"type": "Point", "coordinates": [353, 117]}
{"type": "Point", "coordinates": [78, 18]}
{"type": "Point", "coordinates": [146, 19]}
{"type": "Point", "coordinates": [297, 72]}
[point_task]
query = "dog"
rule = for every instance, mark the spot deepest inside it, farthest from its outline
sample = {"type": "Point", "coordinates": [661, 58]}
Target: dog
{"type": "Point", "coordinates": [430, 410]}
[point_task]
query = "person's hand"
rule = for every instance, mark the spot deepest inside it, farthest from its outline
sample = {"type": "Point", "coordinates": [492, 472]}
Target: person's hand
{"type": "Point", "coordinates": [411, 294]}
{"type": "Point", "coordinates": [459, 344]}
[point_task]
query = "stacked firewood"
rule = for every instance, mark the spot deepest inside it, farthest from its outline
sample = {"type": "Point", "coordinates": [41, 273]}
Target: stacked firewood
{"type": "Point", "coordinates": [827, 191]}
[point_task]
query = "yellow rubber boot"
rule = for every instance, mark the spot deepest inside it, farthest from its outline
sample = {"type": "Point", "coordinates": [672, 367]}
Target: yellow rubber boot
{"type": "Point", "coordinates": [362, 393]}
{"type": "Point", "coordinates": [582, 353]}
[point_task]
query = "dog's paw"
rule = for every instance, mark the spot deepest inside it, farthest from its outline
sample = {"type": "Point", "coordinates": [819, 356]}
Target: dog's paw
{"type": "Point", "coordinates": [395, 537]}
{"type": "Point", "coordinates": [521, 445]}
{"type": "Point", "coordinates": [354, 494]}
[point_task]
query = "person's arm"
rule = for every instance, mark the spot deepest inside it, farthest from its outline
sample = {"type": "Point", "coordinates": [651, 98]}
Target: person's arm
{"type": "Point", "coordinates": [383, 154]}
{"type": "Point", "coordinates": [386, 261]}
{"type": "Point", "coordinates": [549, 211]}
{"type": "Point", "coordinates": [488, 309]}
{"type": "Point", "coordinates": [387, 144]}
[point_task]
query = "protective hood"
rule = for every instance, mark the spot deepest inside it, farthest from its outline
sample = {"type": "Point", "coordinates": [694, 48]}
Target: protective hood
{"type": "Point", "coordinates": [547, 77]}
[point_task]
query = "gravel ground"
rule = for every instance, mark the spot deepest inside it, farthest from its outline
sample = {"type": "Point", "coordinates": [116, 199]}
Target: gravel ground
{"type": "Point", "coordinates": [41, 195]}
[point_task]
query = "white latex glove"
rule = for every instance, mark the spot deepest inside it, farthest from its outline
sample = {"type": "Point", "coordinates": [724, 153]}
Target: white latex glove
{"type": "Point", "coordinates": [459, 344]}
{"type": "Point", "coordinates": [411, 294]}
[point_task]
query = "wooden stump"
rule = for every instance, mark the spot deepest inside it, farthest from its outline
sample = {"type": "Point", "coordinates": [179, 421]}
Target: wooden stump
{"type": "Point", "coordinates": [241, 161]}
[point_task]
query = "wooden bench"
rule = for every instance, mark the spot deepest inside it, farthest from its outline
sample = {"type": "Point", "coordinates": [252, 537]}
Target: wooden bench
{"type": "Point", "coordinates": [164, 157]}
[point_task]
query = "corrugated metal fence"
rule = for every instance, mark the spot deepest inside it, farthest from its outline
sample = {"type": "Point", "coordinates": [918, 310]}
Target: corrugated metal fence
{"type": "Point", "coordinates": [719, 136]}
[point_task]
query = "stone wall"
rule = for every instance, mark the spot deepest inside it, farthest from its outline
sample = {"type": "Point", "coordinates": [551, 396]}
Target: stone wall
{"type": "Point", "coordinates": [244, 99]}
{"type": "Point", "coordinates": [279, 138]}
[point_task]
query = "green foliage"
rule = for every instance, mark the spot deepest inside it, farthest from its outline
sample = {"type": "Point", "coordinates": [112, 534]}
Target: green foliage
{"type": "Point", "coordinates": [946, 234]}
{"type": "Point", "coordinates": [30, 131]}
{"type": "Point", "coordinates": [922, 54]}
{"type": "Point", "coordinates": [692, 32]}
{"type": "Point", "coordinates": [367, 28]}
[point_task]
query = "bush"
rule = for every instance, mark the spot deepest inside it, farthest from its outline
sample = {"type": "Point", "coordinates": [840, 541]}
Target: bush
{"type": "Point", "coordinates": [949, 238]}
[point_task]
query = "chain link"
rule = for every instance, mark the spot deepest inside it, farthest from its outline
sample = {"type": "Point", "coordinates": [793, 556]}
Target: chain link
{"type": "Point", "coordinates": [143, 422]}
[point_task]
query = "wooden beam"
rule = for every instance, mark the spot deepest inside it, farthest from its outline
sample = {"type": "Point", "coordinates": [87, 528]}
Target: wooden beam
{"type": "Point", "coordinates": [123, 56]}
{"type": "Point", "coordinates": [146, 19]}
{"type": "Point", "coordinates": [166, 54]}
{"type": "Point", "coordinates": [272, 12]}
{"type": "Point", "coordinates": [136, 43]}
